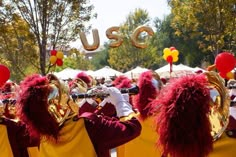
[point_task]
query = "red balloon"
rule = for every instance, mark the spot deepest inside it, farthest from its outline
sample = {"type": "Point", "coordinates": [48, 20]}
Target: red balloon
{"type": "Point", "coordinates": [59, 62]}
{"type": "Point", "coordinates": [225, 62]}
{"type": "Point", "coordinates": [4, 74]}
{"type": "Point", "coordinates": [169, 59]}
{"type": "Point", "coordinates": [53, 52]}
{"type": "Point", "coordinates": [223, 74]}
{"type": "Point", "coordinates": [172, 48]}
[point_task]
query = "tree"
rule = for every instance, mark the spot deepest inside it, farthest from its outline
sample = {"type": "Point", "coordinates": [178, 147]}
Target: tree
{"type": "Point", "coordinates": [213, 21]}
{"type": "Point", "coordinates": [18, 48]}
{"type": "Point", "coordinates": [189, 53]}
{"type": "Point", "coordinates": [75, 60]}
{"type": "Point", "coordinates": [100, 58]}
{"type": "Point", "coordinates": [54, 23]}
{"type": "Point", "coordinates": [127, 56]}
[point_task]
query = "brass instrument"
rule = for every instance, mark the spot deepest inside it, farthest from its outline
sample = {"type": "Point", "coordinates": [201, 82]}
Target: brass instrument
{"type": "Point", "coordinates": [60, 105]}
{"type": "Point", "coordinates": [219, 106]}
{"type": "Point", "coordinates": [8, 108]}
{"type": "Point", "coordinates": [97, 92]}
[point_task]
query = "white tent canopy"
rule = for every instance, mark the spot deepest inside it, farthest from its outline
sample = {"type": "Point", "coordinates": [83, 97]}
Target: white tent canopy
{"type": "Point", "coordinates": [165, 68]}
{"type": "Point", "coordinates": [184, 67]}
{"type": "Point", "coordinates": [67, 73]}
{"type": "Point", "coordinates": [89, 72]}
{"type": "Point", "coordinates": [177, 70]}
{"type": "Point", "coordinates": [106, 72]}
{"type": "Point", "coordinates": [134, 73]}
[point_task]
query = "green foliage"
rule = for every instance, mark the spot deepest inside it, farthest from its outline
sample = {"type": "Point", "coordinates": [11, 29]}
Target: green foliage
{"type": "Point", "coordinates": [54, 24]}
{"type": "Point", "coordinates": [100, 58]}
{"type": "Point", "coordinates": [127, 56]}
{"type": "Point", "coordinates": [212, 21]}
{"type": "Point", "coordinates": [189, 51]}
{"type": "Point", "coordinates": [75, 60]}
{"type": "Point", "coordinates": [17, 46]}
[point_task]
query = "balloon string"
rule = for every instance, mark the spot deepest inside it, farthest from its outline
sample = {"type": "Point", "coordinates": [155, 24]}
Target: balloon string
{"type": "Point", "coordinates": [170, 68]}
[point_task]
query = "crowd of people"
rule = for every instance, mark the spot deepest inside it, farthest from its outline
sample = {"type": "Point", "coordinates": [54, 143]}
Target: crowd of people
{"type": "Point", "coordinates": [189, 116]}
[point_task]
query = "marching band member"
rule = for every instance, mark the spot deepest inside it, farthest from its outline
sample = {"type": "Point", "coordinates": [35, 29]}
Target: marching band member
{"type": "Point", "coordinates": [46, 112]}
{"type": "Point", "coordinates": [86, 78]}
{"type": "Point", "coordinates": [14, 139]}
{"type": "Point", "coordinates": [119, 82]}
{"type": "Point", "coordinates": [81, 85]}
{"type": "Point", "coordinates": [149, 84]}
{"type": "Point", "coordinates": [192, 117]}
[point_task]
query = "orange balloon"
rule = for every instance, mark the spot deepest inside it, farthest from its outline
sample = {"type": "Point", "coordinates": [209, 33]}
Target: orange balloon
{"type": "Point", "coordinates": [230, 75]}
{"type": "Point", "coordinates": [53, 59]}
{"type": "Point", "coordinates": [175, 58]}
{"type": "Point", "coordinates": [167, 51]}
{"type": "Point", "coordinates": [175, 53]}
{"type": "Point", "coordinates": [60, 55]}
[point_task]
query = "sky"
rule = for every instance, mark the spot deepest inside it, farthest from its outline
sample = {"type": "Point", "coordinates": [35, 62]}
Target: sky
{"type": "Point", "coordinates": [114, 12]}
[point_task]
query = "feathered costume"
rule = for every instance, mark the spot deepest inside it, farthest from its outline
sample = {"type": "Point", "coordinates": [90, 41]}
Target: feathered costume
{"type": "Point", "coordinates": [182, 123]}
{"type": "Point", "coordinates": [147, 93]}
{"type": "Point", "coordinates": [14, 138]}
{"type": "Point", "coordinates": [75, 135]}
{"type": "Point", "coordinates": [144, 145]}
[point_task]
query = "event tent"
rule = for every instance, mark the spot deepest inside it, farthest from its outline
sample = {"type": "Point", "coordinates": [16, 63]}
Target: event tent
{"type": "Point", "coordinates": [106, 72]}
{"type": "Point", "coordinates": [67, 73]}
{"type": "Point", "coordinates": [177, 70]}
{"type": "Point", "coordinates": [134, 73]}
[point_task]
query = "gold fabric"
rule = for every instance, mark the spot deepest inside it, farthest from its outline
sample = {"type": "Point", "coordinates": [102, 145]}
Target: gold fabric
{"type": "Point", "coordinates": [73, 141]}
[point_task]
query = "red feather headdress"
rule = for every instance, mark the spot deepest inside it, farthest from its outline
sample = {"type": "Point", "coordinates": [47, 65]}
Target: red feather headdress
{"type": "Point", "coordinates": [183, 124]}
{"type": "Point", "coordinates": [122, 82]}
{"type": "Point", "coordinates": [147, 93]}
{"type": "Point", "coordinates": [32, 105]}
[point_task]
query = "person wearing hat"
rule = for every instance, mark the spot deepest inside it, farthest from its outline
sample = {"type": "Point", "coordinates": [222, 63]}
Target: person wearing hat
{"type": "Point", "coordinates": [14, 138]}
{"type": "Point", "coordinates": [45, 110]}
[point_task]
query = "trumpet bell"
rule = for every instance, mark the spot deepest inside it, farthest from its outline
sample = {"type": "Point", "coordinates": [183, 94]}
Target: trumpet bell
{"type": "Point", "coordinates": [60, 105]}
{"type": "Point", "coordinates": [219, 105]}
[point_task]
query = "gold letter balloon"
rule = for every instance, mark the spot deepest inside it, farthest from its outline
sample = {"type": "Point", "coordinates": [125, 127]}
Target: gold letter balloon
{"type": "Point", "coordinates": [135, 35]}
{"type": "Point", "coordinates": [110, 35]}
{"type": "Point", "coordinates": [96, 41]}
